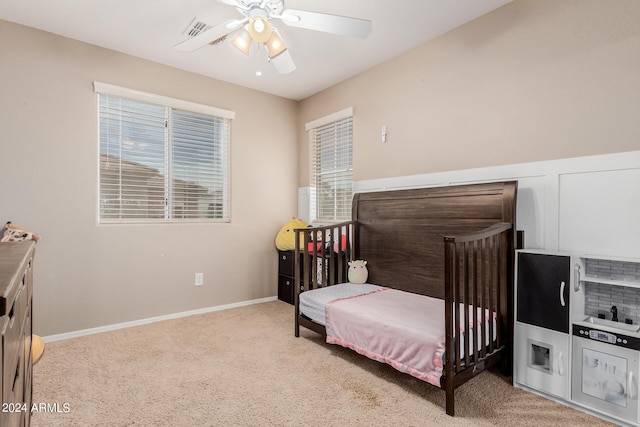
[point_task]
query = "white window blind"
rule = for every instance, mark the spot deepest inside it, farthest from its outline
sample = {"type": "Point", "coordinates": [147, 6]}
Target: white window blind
{"type": "Point", "coordinates": [159, 163]}
{"type": "Point", "coordinates": [332, 166]}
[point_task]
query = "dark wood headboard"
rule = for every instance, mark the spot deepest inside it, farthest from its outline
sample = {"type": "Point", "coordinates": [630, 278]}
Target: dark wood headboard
{"type": "Point", "coordinates": [400, 233]}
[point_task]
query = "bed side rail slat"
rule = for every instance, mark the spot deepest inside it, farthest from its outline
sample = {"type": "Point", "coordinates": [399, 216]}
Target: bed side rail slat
{"type": "Point", "coordinates": [323, 258]}
{"type": "Point", "coordinates": [475, 282]}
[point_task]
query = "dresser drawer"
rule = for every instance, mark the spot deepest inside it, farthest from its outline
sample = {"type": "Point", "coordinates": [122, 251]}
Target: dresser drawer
{"type": "Point", "coordinates": [12, 348]}
{"type": "Point", "coordinates": [16, 272]}
{"type": "Point", "coordinates": [20, 307]}
{"type": "Point", "coordinates": [285, 263]}
{"type": "Point", "coordinates": [27, 367]}
{"type": "Point", "coordinates": [285, 288]}
{"type": "Point", "coordinates": [14, 396]}
{"type": "Point", "coordinates": [28, 280]}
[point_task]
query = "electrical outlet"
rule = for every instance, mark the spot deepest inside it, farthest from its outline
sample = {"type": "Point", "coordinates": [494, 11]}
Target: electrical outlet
{"type": "Point", "coordinates": [199, 279]}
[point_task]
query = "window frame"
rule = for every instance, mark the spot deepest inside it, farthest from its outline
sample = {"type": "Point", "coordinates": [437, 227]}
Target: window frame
{"type": "Point", "coordinates": [169, 104]}
{"type": "Point", "coordinates": [311, 127]}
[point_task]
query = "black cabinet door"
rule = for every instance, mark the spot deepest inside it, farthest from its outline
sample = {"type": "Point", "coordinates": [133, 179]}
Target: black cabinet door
{"type": "Point", "coordinates": [285, 263]}
{"type": "Point", "coordinates": [286, 288]}
{"type": "Point", "coordinates": [543, 290]}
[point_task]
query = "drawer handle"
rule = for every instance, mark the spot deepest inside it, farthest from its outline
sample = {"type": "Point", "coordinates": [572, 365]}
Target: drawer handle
{"type": "Point", "coordinates": [15, 378]}
{"type": "Point", "coordinates": [632, 386]}
{"type": "Point", "coordinates": [12, 313]}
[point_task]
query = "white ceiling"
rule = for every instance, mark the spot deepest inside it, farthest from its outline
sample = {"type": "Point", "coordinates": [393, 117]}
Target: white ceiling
{"type": "Point", "coordinates": [150, 28]}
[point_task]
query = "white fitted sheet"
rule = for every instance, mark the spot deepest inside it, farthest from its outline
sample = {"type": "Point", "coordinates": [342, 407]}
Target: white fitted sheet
{"type": "Point", "coordinates": [313, 303]}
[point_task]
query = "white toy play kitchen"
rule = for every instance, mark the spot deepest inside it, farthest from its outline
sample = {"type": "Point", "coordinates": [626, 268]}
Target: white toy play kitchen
{"type": "Point", "coordinates": [577, 331]}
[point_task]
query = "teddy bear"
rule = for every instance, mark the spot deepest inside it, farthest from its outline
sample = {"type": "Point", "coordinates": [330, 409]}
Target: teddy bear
{"type": "Point", "coordinates": [358, 272]}
{"type": "Point", "coordinates": [15, 233]}
{"type": "Point", "coordinates": [285, 239]}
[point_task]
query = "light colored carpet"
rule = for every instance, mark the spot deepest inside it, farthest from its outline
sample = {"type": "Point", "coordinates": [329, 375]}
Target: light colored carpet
{"type": "Point", "coordinates": [244, 367]}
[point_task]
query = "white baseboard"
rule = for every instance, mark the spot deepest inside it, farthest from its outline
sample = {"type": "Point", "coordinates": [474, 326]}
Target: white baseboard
{"type": "Point", "coordinates": [90, 331]}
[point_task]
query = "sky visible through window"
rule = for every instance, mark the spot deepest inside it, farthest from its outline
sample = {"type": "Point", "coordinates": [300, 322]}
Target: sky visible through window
{"type": "Point", "coordinates": [150, 154]}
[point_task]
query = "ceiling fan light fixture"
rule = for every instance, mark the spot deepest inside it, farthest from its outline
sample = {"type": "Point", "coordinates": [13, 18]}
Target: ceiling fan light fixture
{"type": "Point", "coordinates": [256, 24]}
{"type": "Point", "coordinates": [242, 41]}
{"type": "Point", "coordinates": [275, 45]}
{"type": "Point", "coordinates": [260, 29]}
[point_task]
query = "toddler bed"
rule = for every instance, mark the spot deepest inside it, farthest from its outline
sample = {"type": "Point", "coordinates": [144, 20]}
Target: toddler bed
{"type": "Point", "coordinates": [440, 281]}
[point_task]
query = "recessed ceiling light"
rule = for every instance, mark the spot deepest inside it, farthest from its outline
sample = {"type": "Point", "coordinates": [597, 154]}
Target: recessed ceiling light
{"type": "Point", "coordinates": [259, 73]}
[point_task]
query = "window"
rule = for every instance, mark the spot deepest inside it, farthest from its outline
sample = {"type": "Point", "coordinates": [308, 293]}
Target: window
{"type": "Point", "coordinates": [161, 159]}
{"type": "Point", "coordinates": [331, 166]}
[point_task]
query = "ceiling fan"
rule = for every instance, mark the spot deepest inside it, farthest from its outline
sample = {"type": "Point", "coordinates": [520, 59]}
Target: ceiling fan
{"type": "Point", "coordinates": [255, 26]}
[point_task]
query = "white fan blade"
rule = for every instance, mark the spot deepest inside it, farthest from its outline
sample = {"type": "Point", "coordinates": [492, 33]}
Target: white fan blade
{"type": "Point", "coordinates": [283, 63]}
{"type": "Point", "coordinates": [234, 3]}
{"type": "Point", "coordinates": [210, 35]}
{"type": "Point", "coordinates": [335, 24]}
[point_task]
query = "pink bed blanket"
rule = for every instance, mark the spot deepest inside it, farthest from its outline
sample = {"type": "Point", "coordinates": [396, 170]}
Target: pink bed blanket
{"type": "Point", "coordinates": [404, 330]}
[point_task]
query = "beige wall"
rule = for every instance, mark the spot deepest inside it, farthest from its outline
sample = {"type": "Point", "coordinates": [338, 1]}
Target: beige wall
{"type": "Point", "coordinates": [88, 275]}
{"type": "Point", "coordinates": [534, 80]}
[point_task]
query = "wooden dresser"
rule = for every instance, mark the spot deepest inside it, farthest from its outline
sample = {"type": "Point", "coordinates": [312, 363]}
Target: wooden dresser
{"type": "Point", "coordinates": [16, 291]}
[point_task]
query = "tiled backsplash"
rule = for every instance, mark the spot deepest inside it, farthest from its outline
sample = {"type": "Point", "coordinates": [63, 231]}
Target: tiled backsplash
{"type": "Point", "coordinates": [613, 270]}
{"type": "Point", "coordinates": [599, 297]}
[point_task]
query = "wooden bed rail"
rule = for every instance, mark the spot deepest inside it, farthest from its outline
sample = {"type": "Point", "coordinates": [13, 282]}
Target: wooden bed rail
{"type": "Point", "coordinates": [476, 285]}
{"type": "Point", "coordinates": [322, 260]}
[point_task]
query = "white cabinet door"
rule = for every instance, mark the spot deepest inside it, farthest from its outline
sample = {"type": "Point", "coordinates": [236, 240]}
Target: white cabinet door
{"type": "Point", "coordinates": [599, 213]}
{"type": "Point", "coordinates": [541, 359]}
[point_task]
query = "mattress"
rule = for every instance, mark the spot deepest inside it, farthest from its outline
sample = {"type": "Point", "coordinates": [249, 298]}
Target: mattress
{"type": "Point", "coordinates": [313, 303]}
{"type": "Point", "coordinates": [389, 326]}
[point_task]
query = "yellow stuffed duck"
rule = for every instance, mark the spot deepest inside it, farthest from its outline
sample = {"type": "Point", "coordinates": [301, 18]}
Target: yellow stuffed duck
{"type": "Point", "coordinates": [286, 239]}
